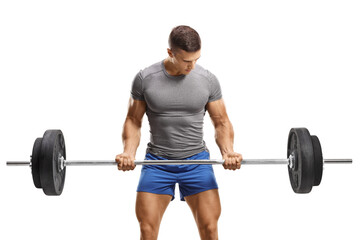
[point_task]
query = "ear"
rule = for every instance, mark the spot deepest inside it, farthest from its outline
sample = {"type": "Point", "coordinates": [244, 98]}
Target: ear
{"type": "Point", "coordinates": [171, 54]}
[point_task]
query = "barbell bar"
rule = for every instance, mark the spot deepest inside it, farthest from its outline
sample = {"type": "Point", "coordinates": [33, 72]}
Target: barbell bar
{"type": "Point", "coordinates": [177, 162]}
{"type": "Point", "coordinates": [305, 162]}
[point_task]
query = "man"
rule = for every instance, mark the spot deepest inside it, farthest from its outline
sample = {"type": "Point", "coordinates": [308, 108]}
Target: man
{"type": "Point", "coordinates": [175, 94]}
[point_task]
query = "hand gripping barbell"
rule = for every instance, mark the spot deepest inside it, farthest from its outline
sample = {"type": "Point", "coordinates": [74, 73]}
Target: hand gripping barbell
{"type": "Point", "coordinates": [304, 159]}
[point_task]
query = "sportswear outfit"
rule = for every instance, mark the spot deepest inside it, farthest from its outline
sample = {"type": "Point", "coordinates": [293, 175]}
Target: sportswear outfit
{"type": "Point", "coordinates": [175, 107]}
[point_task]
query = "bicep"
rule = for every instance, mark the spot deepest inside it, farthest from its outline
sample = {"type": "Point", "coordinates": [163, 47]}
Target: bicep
{"type": "Point", "coordinates": [217, 111]}
{"type": "Point", "coordinates": [136, 110]}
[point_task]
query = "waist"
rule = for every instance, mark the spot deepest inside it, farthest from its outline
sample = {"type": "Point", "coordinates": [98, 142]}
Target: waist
{"type": "Point", "coordinates": [165, 152]}
{"type": "Point", "coordinates": [177, 168]}
{"type": "Point", "coordinates": [201, 155]}
{"type": "Point", "coordinates": [176, 136]}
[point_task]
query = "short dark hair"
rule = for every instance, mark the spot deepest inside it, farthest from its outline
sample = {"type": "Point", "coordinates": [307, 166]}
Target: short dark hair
{"type": "Point", "coordinates": [185, 38]}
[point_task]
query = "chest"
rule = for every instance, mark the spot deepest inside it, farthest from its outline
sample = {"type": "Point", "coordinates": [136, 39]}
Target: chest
{"type": "Point", "coordinates": [176, 96]}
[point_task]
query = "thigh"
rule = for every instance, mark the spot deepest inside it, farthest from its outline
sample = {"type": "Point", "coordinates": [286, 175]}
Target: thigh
{"type": "Point", "coordinates": [198, 178]}
{"type": "Point", "coordinates": [150, 207]}
{"type": "Point", "coordinates": [156, 178]}
{"type": "Point", "coordinates": [205, 206]}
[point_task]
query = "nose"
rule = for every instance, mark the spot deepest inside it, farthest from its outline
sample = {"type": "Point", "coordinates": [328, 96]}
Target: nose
{"type": "Point", "coordinates": [192, 65]}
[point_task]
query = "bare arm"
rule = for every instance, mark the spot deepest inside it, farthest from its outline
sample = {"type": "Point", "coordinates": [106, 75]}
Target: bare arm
{"type": "Point", "coordinates": [131, 134]}
{"type": "Point", "coordinates": [132, 126]}
{"type": "Point", "coordinates": [224, 134]}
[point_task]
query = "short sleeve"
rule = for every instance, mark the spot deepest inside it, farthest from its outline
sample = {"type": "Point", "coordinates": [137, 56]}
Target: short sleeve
{"type": "Point", "coordinates": [137, 92]}
{"type": "Point", "coordinates": [215, 89]}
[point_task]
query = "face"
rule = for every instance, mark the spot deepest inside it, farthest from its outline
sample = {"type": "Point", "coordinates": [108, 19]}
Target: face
{"type": "Point", "coordinates": [184, 61]}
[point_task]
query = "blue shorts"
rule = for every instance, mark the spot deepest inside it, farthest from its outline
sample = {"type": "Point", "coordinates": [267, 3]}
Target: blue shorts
{"type": "Point", "coordinates": [192, 179]}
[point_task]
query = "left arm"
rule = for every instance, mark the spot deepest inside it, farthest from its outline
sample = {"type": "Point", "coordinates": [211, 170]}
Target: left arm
{"type": "Point", "coordinates": [224, 134]}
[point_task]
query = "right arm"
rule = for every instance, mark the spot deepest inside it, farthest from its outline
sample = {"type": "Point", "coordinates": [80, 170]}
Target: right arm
{"type": "Point", "coordinates": [131, 134]}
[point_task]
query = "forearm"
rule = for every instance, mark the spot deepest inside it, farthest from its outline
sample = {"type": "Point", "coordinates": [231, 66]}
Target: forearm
{"type": "Point", "coordinates": [131, 135]}
{"type": "Point", "coordinates": [224, 136]}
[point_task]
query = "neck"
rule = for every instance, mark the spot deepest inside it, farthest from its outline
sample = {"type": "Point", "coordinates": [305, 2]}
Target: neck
{"type": "Point", "coordinates": [170, 68]}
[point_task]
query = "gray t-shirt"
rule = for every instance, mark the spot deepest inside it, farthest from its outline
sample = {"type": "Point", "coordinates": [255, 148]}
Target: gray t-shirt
{"type": "Point", "coordinates": [175, 106]}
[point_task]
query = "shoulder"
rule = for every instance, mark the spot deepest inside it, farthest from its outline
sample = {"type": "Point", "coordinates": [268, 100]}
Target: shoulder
{"type": "Point", "coordinates": [151, 70]}
{"type": "Point", "coordinates": [202, 72]}
{"type": "Point", "coordinates": [212, 82]}
{"type": "Point", "coordinates": [206, 75]}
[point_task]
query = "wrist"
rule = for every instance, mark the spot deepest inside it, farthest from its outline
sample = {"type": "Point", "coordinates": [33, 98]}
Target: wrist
{"type": "Point", "coordinates": [226, 151]}
{"type": "Point", "coordinates": [131, 154]}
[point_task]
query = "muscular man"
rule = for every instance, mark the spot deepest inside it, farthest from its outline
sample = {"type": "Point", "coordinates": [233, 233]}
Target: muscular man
{"type": "Point", "coordinates": [175, 94]}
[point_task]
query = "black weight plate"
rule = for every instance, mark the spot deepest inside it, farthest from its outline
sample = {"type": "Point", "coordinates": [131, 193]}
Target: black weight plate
{"type": "Point", "coordinates": [51, 176]}
{"type": "Point", "coordinates": [318, 157]}
{"type": "Point", "coordinates": [35, 162]}
{"type": "Point", "coordinates": [302, 175]}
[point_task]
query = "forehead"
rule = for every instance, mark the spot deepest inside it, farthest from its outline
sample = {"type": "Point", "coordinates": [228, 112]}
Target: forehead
{"type": "Point", "coordinates": [188, 56]}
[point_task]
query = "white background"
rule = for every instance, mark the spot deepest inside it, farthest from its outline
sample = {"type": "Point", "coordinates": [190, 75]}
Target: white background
{"type": "Point", "coordinates": [281, 64]}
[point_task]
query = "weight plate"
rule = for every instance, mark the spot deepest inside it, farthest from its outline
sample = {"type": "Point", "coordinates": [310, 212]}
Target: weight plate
{"type": "Point", "coordinates": [35, 162]}
{"type": "Point", "coordinates": [318, 160]}
{"type": "Point", "coordinates": [51, 176]}
{"type": "Point", "coordinates": [302, 174]}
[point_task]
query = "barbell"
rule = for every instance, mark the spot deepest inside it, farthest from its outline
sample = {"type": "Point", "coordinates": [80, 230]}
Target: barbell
{"type": "Point", "coordinates": [304, 160]}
